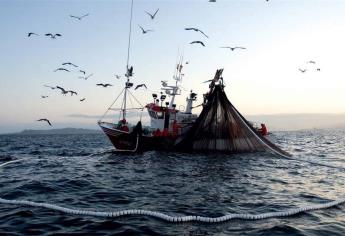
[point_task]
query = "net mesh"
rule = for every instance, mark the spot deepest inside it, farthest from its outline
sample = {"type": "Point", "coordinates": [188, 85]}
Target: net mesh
{"type": "Point", "coordinates": [221, 127]}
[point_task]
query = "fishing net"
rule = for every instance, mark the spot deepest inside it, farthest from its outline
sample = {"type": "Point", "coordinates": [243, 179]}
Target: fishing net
{"type": "Point", "coordinates": [221, 127]}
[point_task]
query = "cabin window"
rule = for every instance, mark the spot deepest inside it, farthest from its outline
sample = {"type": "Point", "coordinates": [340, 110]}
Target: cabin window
{"type": "Point", "coordinates": [153, 114]}
{"type": "Point", "coordinates": [160, 115]}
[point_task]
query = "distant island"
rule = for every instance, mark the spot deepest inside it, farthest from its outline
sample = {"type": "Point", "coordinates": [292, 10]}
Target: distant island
{"type": "Point", "coordinates": [60, 131]}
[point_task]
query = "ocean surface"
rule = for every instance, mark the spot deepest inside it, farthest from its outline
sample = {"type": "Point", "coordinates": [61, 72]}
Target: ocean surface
{"type": "Point", "coordinates": [78, 171]}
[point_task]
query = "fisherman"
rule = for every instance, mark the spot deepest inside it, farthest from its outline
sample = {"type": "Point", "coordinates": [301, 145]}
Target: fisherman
{"type": "Point", "coordinates": [263, 129]}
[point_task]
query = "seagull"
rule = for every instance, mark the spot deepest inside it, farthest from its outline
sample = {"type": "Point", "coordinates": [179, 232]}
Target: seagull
{"type": "Point", "coordinates": [318, 69]}
{"type": "Point", "coordinates": [53, 36]}
{"type": "Point", "coordinates": [49, 86]}
{"type": "Point", "coordinates": [61, 69]}
{"type": "Point", "coordinates": [118, 76]}
{"type": "Point", "coordinates": [187, 62]}
{"type": "Point", "coordinates": [43, 96]}
{"type": "Point", "coordinates": [85, 77]}
{"type": "Point", "coordinates": [145, 31]}
{"type": "Point", "coordinates": [311, 62]}
{"type": "Point", "coordinates": [82, 72]}
{"type": "Point", "coordinates": [104, 85]}
{"type": "Point", "coordinates": [83, 99]}
{"type": "Point", "coordinates": [140, 85]}
{"type": "Point", "coordinates": [198, 42]}
{"type": "Point", "coordinates": [233, 48]}
{"type": "Point", "coordinates": [69, 63]}
{"type": "Point", "coordinates": [152, 16]}
{"type": "Point", "coordinates": [302, 70]}
{"type": "Point", "coordinates": [31, 33]}
{"type": "Point", "coordinates": [215, 0]}
{"type": "Point", "coordinates": [46, 121]}
{"type": "Point", "coordinates": [63, 91]}
{"type": "Point", "coordinates": [79, 17]}
{"type": "Point", "coordinates": [196, 30]}
{"type": "Point", "coordinates": [72, 92]}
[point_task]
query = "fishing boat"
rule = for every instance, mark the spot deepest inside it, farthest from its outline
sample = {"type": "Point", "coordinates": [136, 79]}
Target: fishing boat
{"type": "Point", "coordinates": [167, 123]}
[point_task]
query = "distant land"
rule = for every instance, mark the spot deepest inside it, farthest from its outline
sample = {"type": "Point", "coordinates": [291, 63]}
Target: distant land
{"type": "Point", "coordinates": [59, 131]}
{"type": "Point", "coordinates": [274, 122]}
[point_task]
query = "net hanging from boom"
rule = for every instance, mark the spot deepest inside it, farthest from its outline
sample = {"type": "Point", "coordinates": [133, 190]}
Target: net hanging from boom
{"type": "Point", "coordinates": [220, 127]}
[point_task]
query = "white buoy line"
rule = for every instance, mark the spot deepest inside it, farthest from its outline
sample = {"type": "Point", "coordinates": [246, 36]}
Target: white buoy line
{"type": "Point", "coordinates": [166, 217]}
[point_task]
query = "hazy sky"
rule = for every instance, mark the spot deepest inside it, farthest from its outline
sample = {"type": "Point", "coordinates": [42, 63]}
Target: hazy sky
{"type": "Point", "coordinates": [280, 37]}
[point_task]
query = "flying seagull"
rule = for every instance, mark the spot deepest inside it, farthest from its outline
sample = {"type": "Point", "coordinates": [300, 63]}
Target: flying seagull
{"type": "Point", "coordinates": [152, 16]}
{"type": "Point", "coordinates": [79, 17]}
{"type": "Point", "coordinates": [53, 36]}
{"type": "Point", "coordinates": [104, 85]}
{"type": "Point", "coordinates": [118, 76]}
{"type": "Point", "coordinates": [69, 63]}
{"type": "Point", "coordinates": [43, 96]}
{"type": "Point", "coordinates": [145, 31]}
{"type": "Point", "coordinates": [233, 48]}
{"type": "Point", "coordinates": [82, 72]}
{"type": "Point", "coordinates": [198, 42]}
{"type": "Point", "coordinates": [311, 62]}
{"type": "Point", "coordinates": [83, 99]}
{"type": "Point", "coordinates": [302, 70]}
{"type": "Point", "coordinates": [215, 0]}
{"type": "Point", "coordinates": [63, 91]}
{"type": "Point", "coordinates": [46, 121]}
{"type": "Point", "coordinates": [61, 69]}
{"type": "Point", "coordinates": [31, 33]}
{"type": "Point", "coordinates": [140, 85]}
{"type": "Point", "coordinates": [49, 86]}
{"type": "Point", "coordinates": [72, 92]}
{"type": "Point", "coordinates": [196, 30]}
{"type": "Point", "coordinates": [318, 69]}
{"type": "Point", "coordinates": [85, 77]}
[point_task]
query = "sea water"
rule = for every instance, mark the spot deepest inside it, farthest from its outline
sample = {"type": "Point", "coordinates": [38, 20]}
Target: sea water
{"type": "Point", "coordinates": [79, 172]}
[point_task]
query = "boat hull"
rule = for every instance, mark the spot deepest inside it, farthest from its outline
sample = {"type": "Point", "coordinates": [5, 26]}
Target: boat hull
{"type": "Point", "coordinates": [135, 141]}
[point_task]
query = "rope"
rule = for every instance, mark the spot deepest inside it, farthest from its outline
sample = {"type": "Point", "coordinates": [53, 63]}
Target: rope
{"type": "Point", "coordinates": [169, 218]}
{"type": "Point", "coordinates": [111, 105]}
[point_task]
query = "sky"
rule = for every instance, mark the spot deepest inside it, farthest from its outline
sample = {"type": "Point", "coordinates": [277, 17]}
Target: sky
{"type": "Point", "coordinates": [279, 36]}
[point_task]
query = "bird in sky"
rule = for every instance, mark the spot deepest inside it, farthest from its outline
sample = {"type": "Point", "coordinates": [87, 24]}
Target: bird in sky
{"type": "Point", "coordinates": [196, 30]}
{"type": "Point", "coordinates": [63, 91]}
{"type": "Point", "coordinates": [104, 85]}
{"type": "Point", "coordinates": [79, 17]}
{"type": "Point", "coordinates": [83, 99]}
{"type": "Point", "coordinates": [46, 120]}
{"type": "Point", "coordinates": [61, 69]}
{"type": "Point", "coordinates": [72, 92]}
{"type": "Point", "coordinates": [311, 62]}
{"type": "Point", "coordinates": [82, 71]}
{"type": "Point", "coordinates": [32, 33]}
{"type": "Point", "coordinates": [49, 86]}
{"type": "Point", "coordinates": [152, 15]}
{"type": "Point", "coordinates": [145, 31]}
{"type": "Point", "coordinates": [53, 36]}
{"type": "Point", "coordinates": [302, 70]}
{"type": "Point", "coordinates": [85, 77]}
{"type": "Point", "coordinates": [69, 63]}
{"type": "Point", "coordinates": [233, 48]}
{"type": "Point", "coordinates": [215, 0]}
{"type": "Point", "coordinates": [318, 69]}
{"type": "Point", "coordinates": [44, 96]}
{"type": "Point", "coordinates": [118, 76]}
{"type": "Point", "coordinates": [140, 85]}
{"type": "Point", "coordinates": [198, 42]}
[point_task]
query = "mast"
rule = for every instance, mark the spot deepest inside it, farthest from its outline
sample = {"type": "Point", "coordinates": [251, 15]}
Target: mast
{"type": "Point", "coordinates": [129, 71]}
